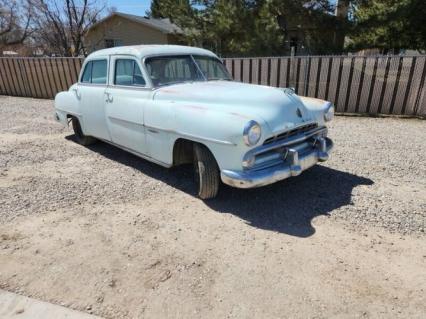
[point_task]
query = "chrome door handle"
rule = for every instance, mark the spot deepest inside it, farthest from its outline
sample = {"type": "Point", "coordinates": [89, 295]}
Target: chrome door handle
{"type": "Point", "coordinates": [77, 94]}
{"type": "Point", "coordinates": [108, 97]}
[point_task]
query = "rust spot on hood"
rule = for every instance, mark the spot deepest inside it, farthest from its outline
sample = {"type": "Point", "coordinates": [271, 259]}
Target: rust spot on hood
{"type": "Point", "coordinates": [196, 107]}
{"type": "Point", "coordinates": [240, 115]}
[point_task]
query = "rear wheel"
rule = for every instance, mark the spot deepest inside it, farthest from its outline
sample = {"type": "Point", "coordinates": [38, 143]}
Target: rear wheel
{"type": "Point", "coordinates": [206, 172]}
{"type": "Point", "coordinates": [78, 132]}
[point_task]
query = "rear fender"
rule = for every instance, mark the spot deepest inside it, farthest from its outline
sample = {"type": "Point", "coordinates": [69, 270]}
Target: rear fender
{"type": "Point", "coordinates": [67, 104]}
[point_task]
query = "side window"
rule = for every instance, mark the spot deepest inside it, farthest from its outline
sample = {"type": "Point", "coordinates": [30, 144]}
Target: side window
{"type": "Point", "coordinates": [99, 71]}
{"type": "Point", "coordinates": [87, 73]}
{"type": "Point", "coordinates": [127, 72]}
{"type": "Point", "coordinates": [137, 76]}
{"type": "Point", "coordinates": [95, 72]}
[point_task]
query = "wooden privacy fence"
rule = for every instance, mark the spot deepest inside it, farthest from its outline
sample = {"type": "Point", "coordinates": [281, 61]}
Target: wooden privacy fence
{"type": "Point", "coordinates": [373, 85]}
{"type": "Point", "coordinates": [38, 77]}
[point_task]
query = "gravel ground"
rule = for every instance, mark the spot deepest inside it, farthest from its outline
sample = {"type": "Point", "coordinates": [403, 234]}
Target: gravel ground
{"type": "Point", "coordinates": [387, 155]}
{"type": "Point", "coordinates": [100, 230]}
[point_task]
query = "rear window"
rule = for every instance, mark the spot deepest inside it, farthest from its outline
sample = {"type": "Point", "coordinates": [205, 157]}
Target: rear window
{"type": "Point", "coordinates": [95, 72]}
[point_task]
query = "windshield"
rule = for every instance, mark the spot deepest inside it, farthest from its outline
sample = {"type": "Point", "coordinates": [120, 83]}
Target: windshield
{"type": "Point", "coordinates": [165, 70]}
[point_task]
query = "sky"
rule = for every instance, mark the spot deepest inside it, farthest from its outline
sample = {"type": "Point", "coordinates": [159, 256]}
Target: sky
{"type": "Point", "coordinates": [137, 7]}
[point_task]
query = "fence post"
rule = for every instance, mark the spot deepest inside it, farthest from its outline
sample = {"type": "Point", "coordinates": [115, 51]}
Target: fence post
{"type": "Point", "coordinates": [292, 80]}
{"type": "Point", "coordinates": [24, 77]}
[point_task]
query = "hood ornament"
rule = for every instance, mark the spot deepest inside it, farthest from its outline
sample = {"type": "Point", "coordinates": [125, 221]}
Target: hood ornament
{"type": "Point", "coordinates": [289, 90]}
{"type": "Point", "coordinates": [299, 113]}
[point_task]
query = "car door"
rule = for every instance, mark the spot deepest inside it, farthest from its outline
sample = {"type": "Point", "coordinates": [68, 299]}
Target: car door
{"type": "Point", "coordinates": [127, 95]}
{"type": "Point", "coordinates": [91, 94]}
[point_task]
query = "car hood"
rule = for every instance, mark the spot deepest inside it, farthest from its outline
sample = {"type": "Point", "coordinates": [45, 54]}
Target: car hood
{"type": "Point", "coordinates": [278, 108]}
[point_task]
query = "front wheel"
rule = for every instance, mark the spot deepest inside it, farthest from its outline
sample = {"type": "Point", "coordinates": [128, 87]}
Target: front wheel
{"type": "Point", "coordinates": [206, 172]}
{"type": "Point", "coordinates": [78, 132]}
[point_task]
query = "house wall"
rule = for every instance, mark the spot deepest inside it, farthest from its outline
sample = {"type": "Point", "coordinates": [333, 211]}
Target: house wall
{"type": "Point", "coordinates": [125, 31]}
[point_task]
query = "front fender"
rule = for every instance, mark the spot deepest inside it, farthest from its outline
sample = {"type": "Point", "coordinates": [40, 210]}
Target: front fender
{"type": "Point", "coordinates": [316, 107]}
{"type": "Point", "coordinates": [219, 130]}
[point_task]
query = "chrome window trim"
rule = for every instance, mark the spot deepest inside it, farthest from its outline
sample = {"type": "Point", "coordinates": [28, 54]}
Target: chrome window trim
{"type": "Point", "coordinates": [83, 67]}
{"type": "Point", "coordinates": [130, 87]}
{"type": "Point", "coordinates": [92, 84]}
{"type": "Point", "coordinates": [176, 55]}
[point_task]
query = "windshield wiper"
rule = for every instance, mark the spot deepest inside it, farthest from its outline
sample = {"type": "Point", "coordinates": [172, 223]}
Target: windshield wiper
{"type": "Point", "coordinates": [219, 79]}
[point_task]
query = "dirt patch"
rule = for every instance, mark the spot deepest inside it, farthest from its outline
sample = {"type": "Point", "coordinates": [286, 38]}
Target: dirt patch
{"type": "Point", "coordinates": [102, 231]}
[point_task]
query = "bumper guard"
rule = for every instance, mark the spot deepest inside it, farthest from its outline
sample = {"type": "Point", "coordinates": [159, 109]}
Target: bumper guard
{"type": "Point", "coordinates": [294, 165]}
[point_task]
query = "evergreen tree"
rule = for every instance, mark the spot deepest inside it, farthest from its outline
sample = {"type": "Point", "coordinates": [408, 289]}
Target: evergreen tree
{"type": "Point", "coordinates": [389, 25]}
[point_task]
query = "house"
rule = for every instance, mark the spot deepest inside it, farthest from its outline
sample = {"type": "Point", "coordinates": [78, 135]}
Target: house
{"type": "Point", "coordinates": [120, 29]}
{"type": "Point", "coordinates": [315, 32]}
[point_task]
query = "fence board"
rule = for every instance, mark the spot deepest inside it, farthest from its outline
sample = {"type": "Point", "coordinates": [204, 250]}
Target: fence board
{"type": "Point", "coordinates": [346, 66]}
{"type": "Point", "coordinates": [10, 77]}
{"type": "Point", "coordinates": [420, 93]}
{"type": "Point", "coordinates": [312, 77]}
{"type": "Point", "coordinates": [414, 86]}
{"type": "Point", "coordinates": [4, 87]}
{"type": "Point", "coordinates": [273, 72]}
{"type": "Point", "coordinates": [393, 74]}
{"type": "Point", "coordinates": [237, 69]}
{"type": "Point", "coordinates": [19, 80]}
{"type": "Point", "coordinates": [381, 84]}
{"type": "Point", "coordinates": [323, 81]}
{"type": "Point", "coordinates": [353, 86]}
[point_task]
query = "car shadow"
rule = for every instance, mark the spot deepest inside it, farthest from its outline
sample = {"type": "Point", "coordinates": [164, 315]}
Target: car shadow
{"type": "Point", "coordinates": [285, 207]}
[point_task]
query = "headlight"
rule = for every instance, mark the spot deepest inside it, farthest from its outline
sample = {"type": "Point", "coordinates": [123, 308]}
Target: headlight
{"type": "Point", "coordinates": [252, 133]}
{"type": "Point", "coordinates": [329, 113]}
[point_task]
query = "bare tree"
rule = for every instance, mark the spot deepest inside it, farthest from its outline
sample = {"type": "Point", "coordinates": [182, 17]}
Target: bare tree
{"type": "Point", "coordinates": [62, 24]}
{"type": "Point", "coordinates": [15, 22]}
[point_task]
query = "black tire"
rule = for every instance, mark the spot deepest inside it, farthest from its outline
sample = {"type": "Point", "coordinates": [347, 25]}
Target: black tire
{"type": "Point", "coordinates": [206, 172]}
{"type": "Point", "coordinates": [78, 132]}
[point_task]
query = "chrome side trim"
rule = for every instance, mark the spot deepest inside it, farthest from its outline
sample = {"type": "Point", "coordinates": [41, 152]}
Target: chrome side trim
{"type": "Point", "coordinates": [195, 137]}
{"type": "Point", "coordinates": [125, 121]}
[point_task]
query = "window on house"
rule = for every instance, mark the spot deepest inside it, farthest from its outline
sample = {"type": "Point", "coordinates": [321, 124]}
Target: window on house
{"type": "Point", "coordinates": [111, 43]}
{"type": "Point", "coordinates": [127, 72]}
{"type": "Point", "coordinates": [95, 72]}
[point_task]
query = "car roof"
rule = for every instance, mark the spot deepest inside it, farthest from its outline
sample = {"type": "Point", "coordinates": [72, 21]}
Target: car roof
{"type": "Point", "coordinates": [141, 51]}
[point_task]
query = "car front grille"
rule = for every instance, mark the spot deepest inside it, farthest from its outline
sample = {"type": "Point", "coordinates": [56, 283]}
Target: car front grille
{"type": "Point", "coordinates": [296, 131]}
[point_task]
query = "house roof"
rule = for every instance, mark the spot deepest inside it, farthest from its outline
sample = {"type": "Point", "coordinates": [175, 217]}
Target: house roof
{"type": "Point", "coordinates": [141, 51]}
{"type": "Point", "coordinates": [163, 25]}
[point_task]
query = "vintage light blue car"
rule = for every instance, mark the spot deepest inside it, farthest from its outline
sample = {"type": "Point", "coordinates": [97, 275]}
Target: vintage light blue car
{"type": "Point", "coordinates": [176, 105]}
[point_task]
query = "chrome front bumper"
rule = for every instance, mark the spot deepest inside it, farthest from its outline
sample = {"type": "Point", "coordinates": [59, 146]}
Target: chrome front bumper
{"type": "Point", "coordinates": [293, 165]}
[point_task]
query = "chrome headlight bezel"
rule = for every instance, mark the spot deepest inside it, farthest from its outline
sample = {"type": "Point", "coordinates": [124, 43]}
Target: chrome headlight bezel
{"type": "Point", "coordinates": [329, 113]}
{"type": "Point", "coordinates": [252, 133]}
